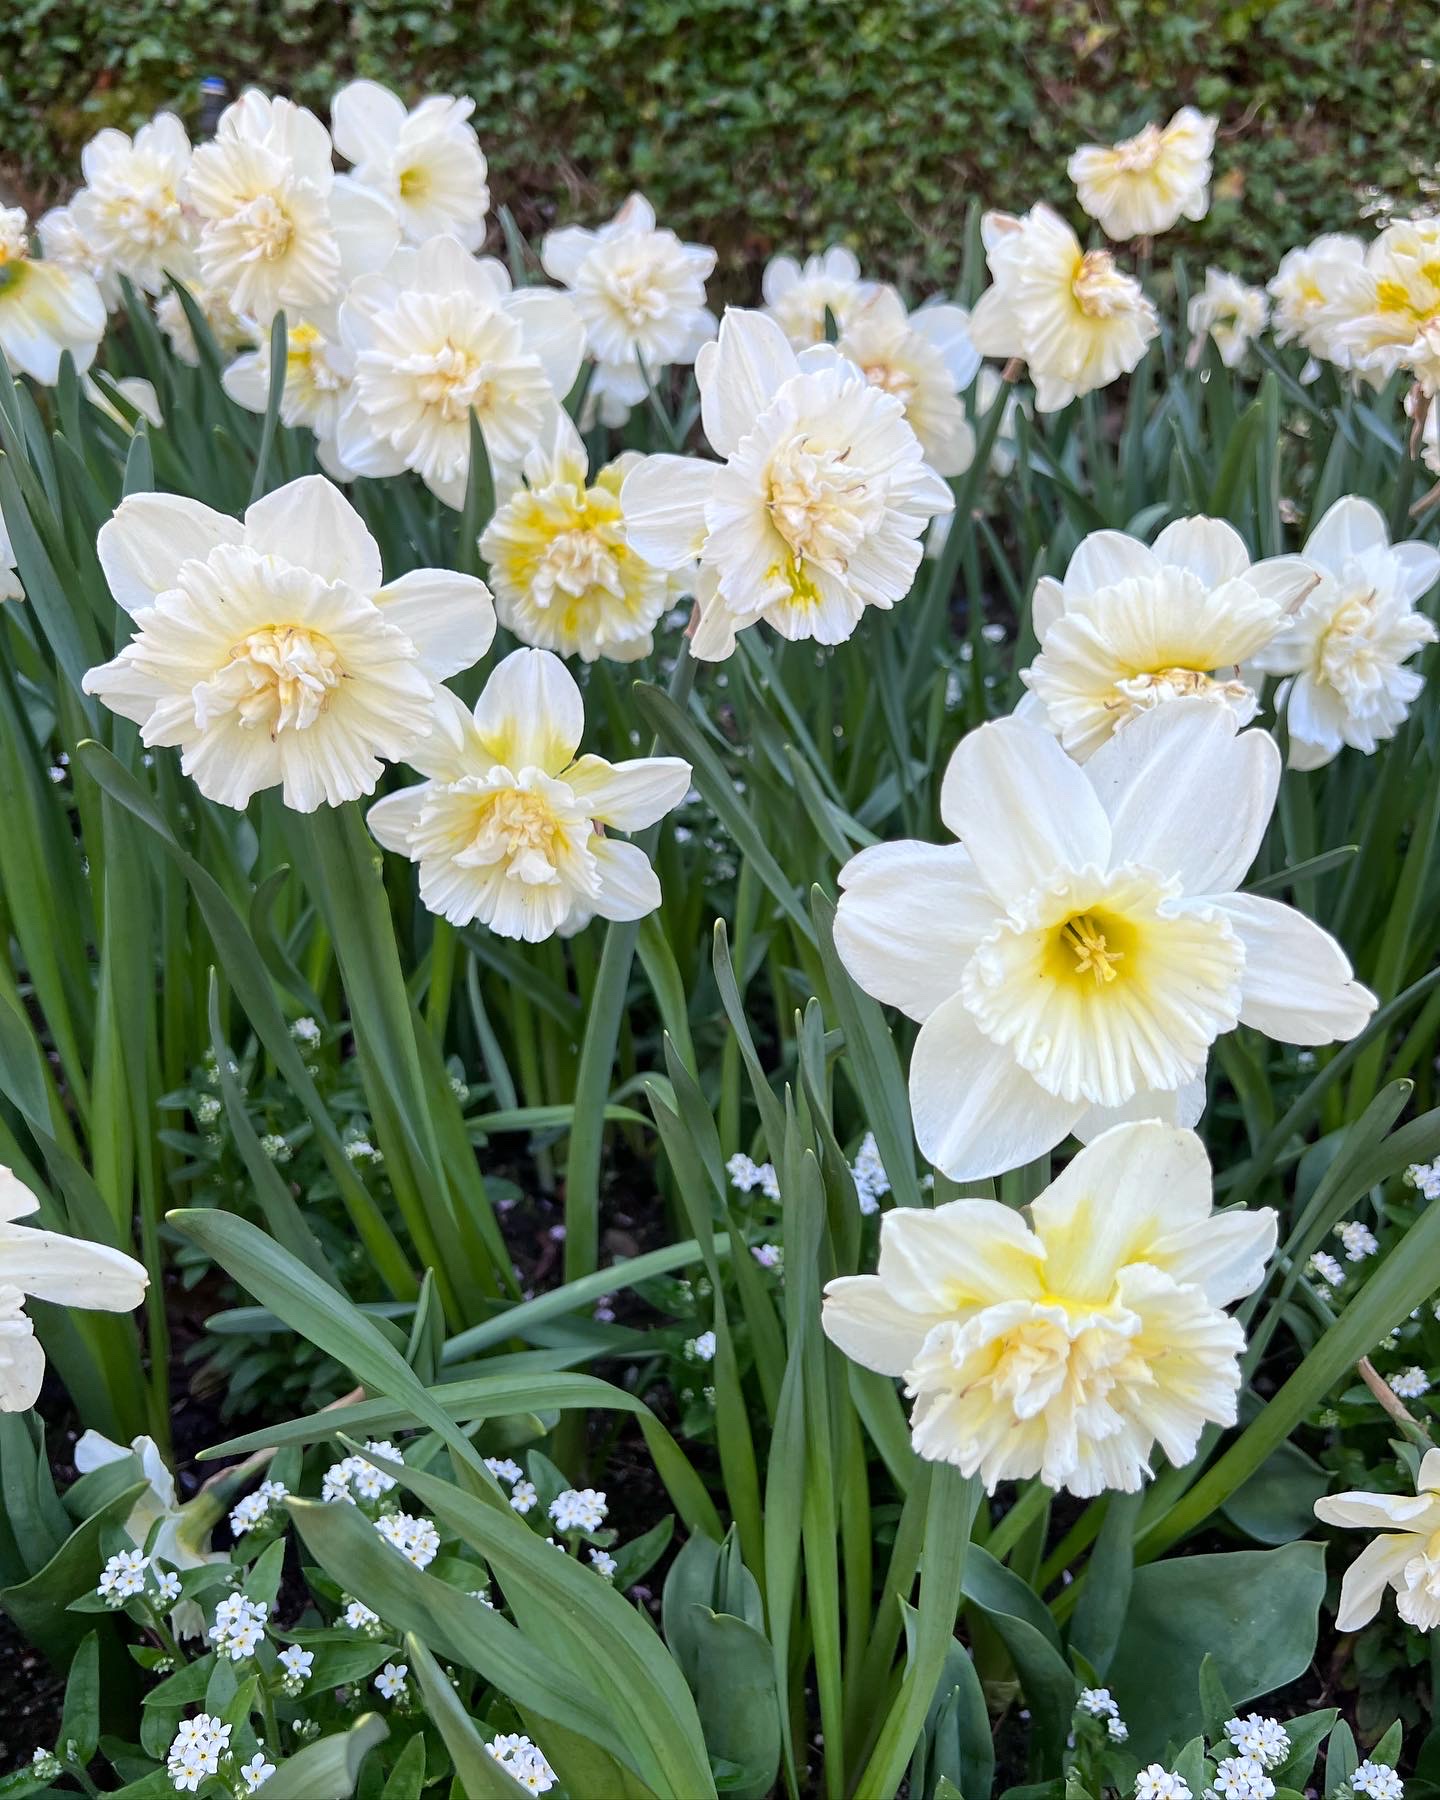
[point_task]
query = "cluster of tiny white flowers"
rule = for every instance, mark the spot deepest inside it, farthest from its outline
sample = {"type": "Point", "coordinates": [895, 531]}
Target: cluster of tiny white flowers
{"type": "Point", "coordinates": [872, 1184]}
{"type": "Point", "coordinates": [306, 1031]}
{"type": "Point", "coordinates": [1266, 1740]}
{"type": "Point", "coordinates": [700, 1349]}
{"type": "Point", "coordinates": [1426, 1177]}
{"type": "Point", "coordinates": [256, 1772]}
{"type": "Point", "coordinates": [167, 1585]}
{"type": "Point", "coordinates": [1157, 1783]}
{"type": "Point", "coordinates": [239, 1626]}
{"type": "Point", "coordinates": [207, 1108]}
{"type": "Point", "coordinates": [416, 1539]}
{"type": "Point", "coordinates": [1378, 1780]}
{"type": "Point", "coordinates": [1359, 1240]}
{"type": "Point", "coordinates": [391, 1681]}
{"type": "Point", "coordinates": [276, 1147]}
{"type": "Point", "coordinates": [1118, 1730]}
{"type": "Point", "coordinates": [1324, 1268]}
{"type": "Point", "coordinates": [1409, 1384]}
{"type": "Point", "coordinates": [769, 1256]}
{"type": "Point", "coordinates": [746, 1176]}
{"type": "Point", "coordinates": [1098, 1702]}
{"type": "Point", "coordinates": [251, 1510]}
{"type": "Point", "coordinates": [360, 1149]}
{"type": "Point", "coordinates": [196, 1750]}
{"type": "Point", "coordinates": [123, 1576]}
{"type": "Point", "coordinates": [45, 1765]}
{"type": "Point", "coordinates": [522, 1762]}
{"type": "Point", "coordinates": [579, 1509]}
{"type": "Point", "coordinates": [1242, 1778]}
{"type": "Point", "coordinates": [503, 1469]}
{"type": "Point", "coordinates": [354, 1472]}
{"type": "Point", "coordinates": [297, 1664]}
{"type": "Point", "coordinates": [358, 1616]}
{"type": "Point", "coordinates": [604, 1562]}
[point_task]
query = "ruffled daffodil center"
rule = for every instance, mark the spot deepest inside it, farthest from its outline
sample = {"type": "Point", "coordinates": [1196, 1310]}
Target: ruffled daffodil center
{"type": "Point", "coordinates": [277, 678]}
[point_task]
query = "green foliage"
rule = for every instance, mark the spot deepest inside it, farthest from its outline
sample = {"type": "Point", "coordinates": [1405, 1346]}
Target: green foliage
{"type": "Point", "coordinates": [790, 123]}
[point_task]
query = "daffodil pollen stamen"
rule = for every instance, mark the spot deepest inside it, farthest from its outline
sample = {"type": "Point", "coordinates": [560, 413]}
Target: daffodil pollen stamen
{"type": "Point", "coordinates": [1091, 947]}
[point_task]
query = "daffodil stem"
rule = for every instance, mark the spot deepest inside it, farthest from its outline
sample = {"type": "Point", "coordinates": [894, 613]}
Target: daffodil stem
{"type": "Point", "coordinates": [597, 1054]}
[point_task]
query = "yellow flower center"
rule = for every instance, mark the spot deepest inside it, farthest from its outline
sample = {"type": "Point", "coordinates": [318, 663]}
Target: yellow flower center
{"type": "Point", "coordinates": [266, 227]}
{"type": "Point", "coordinates": [415, 183]}
{"type": "Point", "coordinates": [1138, 155]}
{"type": "Point", "coordinates": [1087, 945]}
{"type": "Point", "coordinates": [279, 678]}
{"type": "Point", "coordinates": [890, 378]}
{"type": "Point", "coordinates": [1098, 289]}
{"type": "Point", "coordinates": [454, 381]}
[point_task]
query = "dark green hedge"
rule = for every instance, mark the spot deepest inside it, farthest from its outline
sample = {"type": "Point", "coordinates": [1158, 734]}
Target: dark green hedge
{"type": "Point", "coordinates": [792, 122]}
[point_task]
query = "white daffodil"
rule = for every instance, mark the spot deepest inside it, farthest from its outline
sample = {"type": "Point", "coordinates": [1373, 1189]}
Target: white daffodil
{"type": "Point", "coordinates": [817, 510]}
{"type": "Point", "coordinates": [272, 651]}
{"type": "Point", "coordinates": [1399, 324]}
{"type": "Point", "coordinates": [1068, 1346]}
{"type": "Point", "coordinates": [133, 389]}
{"type": "Point", "coordinates": [45, 1265]}
{"type": "Point", "coordinates": [1405, 1557]}
{"type": "Point", "coordinates": [318, 373]}
{"type": "Point", "coordinates": [426, 162]}
{"type": "Point", "coordinates": [183, 1538]}
{"type": "Point", "coordinates": [45, 308]}
{"type": "Point", "coordinates": [1149, 182]}
{"type": "Point", "coordinates": [1131, 627]}
{"type": "Point", "coordinates": [64, 243]}
{"type": "Point", "coordinates": [1074, 957]}
{"type": "Point", "coordinates": [10, 588]}
{"type": "Point", "coordinates": [510, 827]}
{"type": "Point", "coordinates": [1317, 288]}
{"type": "Point", "coordinates": [1076, 321]}
{"type": "Point", "coordinates": [564, 574]}
{"type": "Point", "coordinates": [437, 338]}
{"type": "Point", "coordinates": [279, 230]}
{"type": "Point", "coordinates": [1228, 311]}
{"type": "Point", "coordinates": [927, 361]}
{"type": "Point", "coordinates": [798, 297]}
{"type": "Point", "coordinates": [131, 208]}
{"type": "Point", "coordinates": [1346, 647]}
{"type": "Point", "coordinates": [230, 331]}
{"type": "Point", "coordinates": [641, 294]}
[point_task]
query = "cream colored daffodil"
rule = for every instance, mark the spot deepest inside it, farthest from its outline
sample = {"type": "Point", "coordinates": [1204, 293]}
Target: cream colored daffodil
{"type": "Point", "coordinates": [272, 651]}
{"type": "Point", "coordinates": [1404, 1557]}
{"type": "Point", "coordinates": [818, 508]}
{"type": "Point", "coordinates": [1131, 627]}
{"type": "Point", "coordinates": [279, 231]}
{"type": "Point", "coordinates": [641, 294]}
{"type": "Point", "coordinates": [229, 330]}
{"type": "Point", "coordinates": [1075, 955]}
{"type": "Point", "coordinates": [1317, 288]}
{"type": "Point", "coordinates": [927, 361]}
{"type": "Point", "coordinates": [64, 243]}
{"type": "Point", "coordinates": [798, 297]}
{"type": "Point", "coordinates": [425, 162]}
{"type": "Point", "coordinates": [1399, 326]}
{"type": "Point", "coordinates": [46, 1265]}
{"type": "Point", "coordinates": [438, 337]}
{"type": "Point", "coordinates": [1069, 1345]}
{"type": "Point", "coordinates": [1228, 311]}
{"type": "Point", "coordinates": [1345, 651]}
{"type": "Point", "coordinates": [1070, 314]}
{"type": "Point", "coordinates": [131, 209]}
{"type": "Point", "coordinates": [564, 574]}
{"type": "Point", "coordinates": [45, 308]}
{"type": "Point", "coordinates": [1147, 183]}
{"type": "Point", "coordinates": [318, 373]}
{"type": "Point", "coordinates": [511, 825]}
